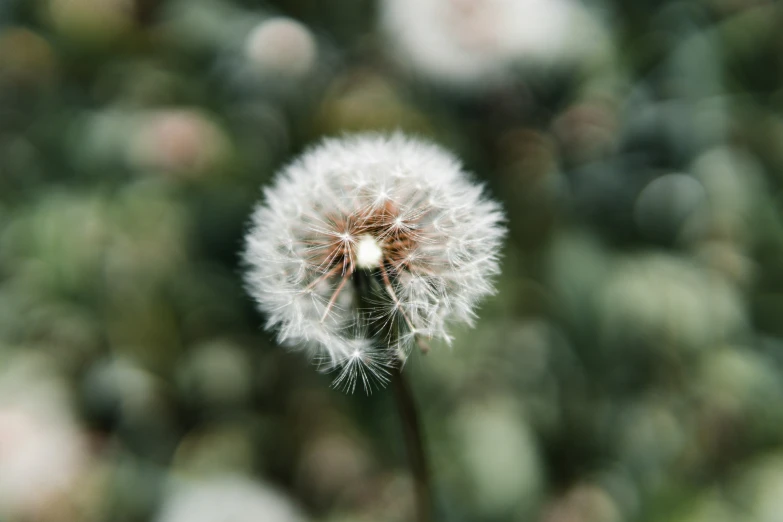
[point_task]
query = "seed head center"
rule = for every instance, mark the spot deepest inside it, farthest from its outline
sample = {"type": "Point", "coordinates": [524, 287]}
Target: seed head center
{"type": "Point", "coordinates": [368, 252]}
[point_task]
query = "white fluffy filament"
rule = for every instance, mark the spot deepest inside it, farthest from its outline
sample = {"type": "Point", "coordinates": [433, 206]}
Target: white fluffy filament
{"type": "Point", "coordinates": [399, 210]}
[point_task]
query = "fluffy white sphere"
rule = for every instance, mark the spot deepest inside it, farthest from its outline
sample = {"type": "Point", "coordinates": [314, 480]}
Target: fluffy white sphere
{"type": "Point", "coordinates": [368, 244]}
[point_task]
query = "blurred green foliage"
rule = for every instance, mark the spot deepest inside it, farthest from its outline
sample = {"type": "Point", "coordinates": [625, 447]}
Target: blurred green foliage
{"type": "Point", "coordinates": [629, 369]}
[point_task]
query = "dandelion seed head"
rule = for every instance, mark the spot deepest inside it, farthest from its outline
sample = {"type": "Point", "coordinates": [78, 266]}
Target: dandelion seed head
{"type": "Point", "coordinates": [348, 256]}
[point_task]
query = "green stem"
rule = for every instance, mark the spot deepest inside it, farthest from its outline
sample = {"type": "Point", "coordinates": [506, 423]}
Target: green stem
{"type": "Point", "coordinates": [414, 442]}
{"type": "Point", "coordinates": [368, 284]}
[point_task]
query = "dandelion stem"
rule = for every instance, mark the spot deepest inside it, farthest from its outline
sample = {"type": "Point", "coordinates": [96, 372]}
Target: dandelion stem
{"type": "Point", "coordinates": [414, 442]}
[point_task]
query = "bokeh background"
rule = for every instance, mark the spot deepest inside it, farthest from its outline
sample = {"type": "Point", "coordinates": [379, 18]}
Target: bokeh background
{"type": "Point", "coordinates": [629, 369]}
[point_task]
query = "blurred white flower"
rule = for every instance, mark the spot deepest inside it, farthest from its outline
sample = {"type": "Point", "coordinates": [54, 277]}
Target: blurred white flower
{"type": "Point", "coordinates": [226, 497]}
{"type": "Point", "coordinates": [369, 244]}
{"type": "Point", "coordinates": [43, 452]}
{"type": "Point", "coordinates": [281, 46]}
{"type": "Point", "coordinates": [474, 43]}
{"type": "Point", "coordinates": [180, 141]}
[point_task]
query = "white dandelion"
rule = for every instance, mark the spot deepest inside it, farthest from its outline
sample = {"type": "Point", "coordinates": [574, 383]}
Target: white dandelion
{"type": "Point", "coordinates": [368, 245]}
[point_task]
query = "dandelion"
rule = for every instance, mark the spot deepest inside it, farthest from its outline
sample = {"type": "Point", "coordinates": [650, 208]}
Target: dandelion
{"type": "Point", "coordinates": [369, 245]}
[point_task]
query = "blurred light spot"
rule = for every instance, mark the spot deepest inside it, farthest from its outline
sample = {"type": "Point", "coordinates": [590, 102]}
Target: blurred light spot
{"type": "Point", "coordinates": [333, 465]}
{"type": "Point", "coordinates": [665, 204]}
{"type": "Point", "coordinates": [660, 302]}
{"type": "Point", "coordinates": [26, 58]}
{"type": "Point", "coordinates": [741, 383]}
{"type": "Point", "coordinates": [651, 438]}
{"type": "Point", "coordinates": [43, 452]}
{"type": "Point", "coordinates": [281, 46]}
{"type": "Point", "coordinates": [92, 21]}
{"type": "Point", "coordinates": [499, 456]}
{"type": "Point", "coordinates": [365, 100]}
{"type": "Point", "coordinates": [216, 374]}
{"type": "Point", "coordinates": [587, 130]}
{"type": "Point", "coordinates": [217, 448]}
{"type": "Point", "coordinates": [119, 387]}
{"type": "Point", "coordinates": [226, 497]}
{"type": "Point", "coordinates": [178, 141]}
{"type": "Point", "coordinates": [733, 181]}
{"type": "Point", "coordinates": [472, 43]}
{"type": "Point", "coordinates": [583, 503]}
{"type": "Point", "coordinates": [728, 259]}
{"type": "Point", "coordinates": [762, 489]}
